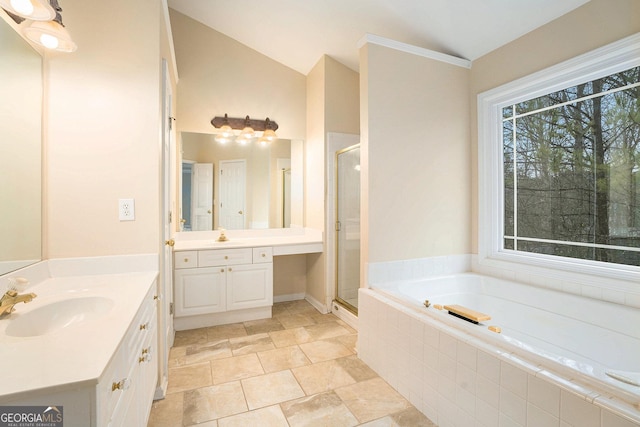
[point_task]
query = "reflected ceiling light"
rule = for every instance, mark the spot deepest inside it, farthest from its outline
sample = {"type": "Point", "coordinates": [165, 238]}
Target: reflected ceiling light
{"type": "Point", "coordinates": [248, 129]}
{"type": "Point", "coordinates": [269, 134]}
{"type": "Point", "coordinates": [225, 129]}
{"type": "Point", "coordinates": [36, 10]}
{"type": "Point", "coordinates": [51, 34]}
{"type": "Point", "coordinates": [247, 132]}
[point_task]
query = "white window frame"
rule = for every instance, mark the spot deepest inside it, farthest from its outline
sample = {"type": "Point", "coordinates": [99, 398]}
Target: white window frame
{"type": "Point", "coordinates": [615, 57]}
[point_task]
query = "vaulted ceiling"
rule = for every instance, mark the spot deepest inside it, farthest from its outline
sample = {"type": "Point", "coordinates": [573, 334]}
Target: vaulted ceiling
{"type": "Point", "coordinates": [297, 33]}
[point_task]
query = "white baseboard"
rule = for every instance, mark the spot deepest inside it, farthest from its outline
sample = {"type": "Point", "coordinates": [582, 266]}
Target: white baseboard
{"type": "Point", "coordinates": [288, 297]}
{"type": "Point", "coordinates": [317, 304]}
{"type": "Point", "coordinates": [215, 319]}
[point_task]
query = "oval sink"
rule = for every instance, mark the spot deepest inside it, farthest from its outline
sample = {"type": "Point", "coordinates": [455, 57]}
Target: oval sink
{"type": "Point", "coordinates": [57, 315]}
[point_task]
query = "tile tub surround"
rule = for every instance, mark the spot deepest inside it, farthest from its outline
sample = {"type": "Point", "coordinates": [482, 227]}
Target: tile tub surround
{"type": "Point", "coordinates": [457, 380]}
{"type": "Point", "coordinates": [298, 368]}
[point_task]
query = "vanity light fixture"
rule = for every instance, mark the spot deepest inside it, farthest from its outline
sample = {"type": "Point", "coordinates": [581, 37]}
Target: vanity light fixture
{"type": "Point", "coordinates": [51, 34]}
{"type": "Point", "coordinates": [248, 128]}
{"type": "Point", "coordinates": [36, 10]}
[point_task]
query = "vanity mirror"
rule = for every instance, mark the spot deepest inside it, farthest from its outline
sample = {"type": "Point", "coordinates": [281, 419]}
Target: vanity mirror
{"type": "Point", "coordinates": [20, 150]}
{"type": "Point", "coordinates": [236, 186]}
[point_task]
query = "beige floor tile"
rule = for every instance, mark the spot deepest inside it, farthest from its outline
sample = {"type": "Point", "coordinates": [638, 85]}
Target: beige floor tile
{"type": "Point", "coordinates": [322, 377]}
{"type": "Point", "coordinates": [372, 399]}
{"type": "Point", "coordinates": [296, 320]}
{"type": "Point", "coordinates": [167, 412]}
{"type": "Point", "coordinates": [236, 368]}
{"type": "Point", "coordinates": [270, 389]}
{"type": "Point", "coordinates": [177, 356]}
{"type": "Point", "coordinates": [290, 337]}
{"type": "Point", "coordinates": [321, 410]}
{"type": "Point", "coordinates": [358, 370]}
{"type": "Point", "coordinates": [271, 416]}
{"type": "Point", "coordinates": [261, 326]}
{"type": "Point", "coordinates": [410, 417]}
{"type": "Point", "coordinates": [213, 423]}
{"type": "Point", "coordinates": [350, 341]}
{"type": "Point", "coordinates": [319, 351]}
{"type": "Point", "coordinates": [189, 377]}
{"type": "Point", "coordinates": [323, 318]}
{"type": "Point", "coordinates": [233, 330]}
{"type": "Point", "coordinates": [251, 344]}
{"type": "Point", "coordinates": [279, 309]}
{"type": "Point", "coordinates": [283, 358]}
{"type": "Point", "coordinates": [326, 330]}
{"type": "Point", "coordinates": [218, 349]}
{"type": "Point", "coordinates": [300, 306]}
{"type": "Point", "coordinates": [211, 403]}
{"type": "Point", "coordinates": [192, 336]}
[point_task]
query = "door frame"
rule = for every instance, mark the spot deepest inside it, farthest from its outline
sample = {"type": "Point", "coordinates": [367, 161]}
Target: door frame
{"type": "Point", "coordinates": [166, 331]}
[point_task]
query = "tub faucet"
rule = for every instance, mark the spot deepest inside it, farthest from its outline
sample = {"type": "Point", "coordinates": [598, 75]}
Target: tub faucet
{"type": "Point", "coordinates": [12, 297]}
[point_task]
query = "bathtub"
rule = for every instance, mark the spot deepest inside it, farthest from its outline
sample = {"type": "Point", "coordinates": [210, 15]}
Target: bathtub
{"type": "Point", "coordinates": [572, 347]}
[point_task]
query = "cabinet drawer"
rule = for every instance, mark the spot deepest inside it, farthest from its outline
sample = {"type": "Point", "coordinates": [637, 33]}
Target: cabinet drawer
{"type": "Point", "coordinates": [212, 258]}
{"type": "Point", "coordinates": [185, 259]}
{"type": "Point", "coordinates": [261, 255]}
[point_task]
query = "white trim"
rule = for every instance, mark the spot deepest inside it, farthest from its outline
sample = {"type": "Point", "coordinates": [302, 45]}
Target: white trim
{"type": "Point", "coordinates": [288, 297]}
{"type": "Point", "coordinates": [615, 57]}
{"type": "Point", "coordinates": [414, 50]}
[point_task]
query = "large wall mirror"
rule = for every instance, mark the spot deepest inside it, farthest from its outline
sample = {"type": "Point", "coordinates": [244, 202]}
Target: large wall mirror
{"type": "Point", "coordinates": [234, 186]}
{"type": "Point", "coordinates": [20, 150]}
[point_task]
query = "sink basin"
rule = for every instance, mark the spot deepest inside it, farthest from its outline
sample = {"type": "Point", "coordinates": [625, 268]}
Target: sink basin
{"type": "Point", "coordinates": [57, 315]}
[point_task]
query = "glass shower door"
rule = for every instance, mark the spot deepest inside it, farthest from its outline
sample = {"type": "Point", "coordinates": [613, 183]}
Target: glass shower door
{"type": "Point", "coordinates": [348, 227]}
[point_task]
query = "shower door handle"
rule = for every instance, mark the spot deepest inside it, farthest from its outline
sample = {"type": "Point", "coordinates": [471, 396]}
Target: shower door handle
{"type": "Point", "coordinates": [338, 226]}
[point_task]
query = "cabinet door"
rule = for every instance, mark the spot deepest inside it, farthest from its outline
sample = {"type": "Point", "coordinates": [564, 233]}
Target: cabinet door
{"type": "Point", "coordinates": [199, 291]}
{"type": "Point", "coordinates": [249, 286]}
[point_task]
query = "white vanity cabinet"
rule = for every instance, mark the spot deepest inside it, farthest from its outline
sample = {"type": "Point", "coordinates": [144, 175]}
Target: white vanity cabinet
{"type": "Point", "coordinates": [127, 387]}
{"type": "Point", "coordinates": [216, 286]}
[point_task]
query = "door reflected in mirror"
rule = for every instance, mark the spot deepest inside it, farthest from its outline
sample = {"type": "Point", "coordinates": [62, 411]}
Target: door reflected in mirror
{"type": "Point", "coordinates": [234, 186]}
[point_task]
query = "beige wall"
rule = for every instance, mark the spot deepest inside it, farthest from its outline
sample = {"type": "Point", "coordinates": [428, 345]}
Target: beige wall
{"type": "Point", "coordinates": [418, 161]}
{"type": "Point", "coordinates": [219, 75]}
{"type": "Point", "coordinates": [332, 106]}
{"type": "Point", "coordinates": [102, 132]}
{"type": "Point", "coordinates": [593, 25]}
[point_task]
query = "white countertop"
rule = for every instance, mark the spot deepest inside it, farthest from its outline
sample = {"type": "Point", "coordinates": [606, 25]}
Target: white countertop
{"type": "Point", "coordinates": [283, 241]}
{"type": "Point", "coordinates": [77, 354]}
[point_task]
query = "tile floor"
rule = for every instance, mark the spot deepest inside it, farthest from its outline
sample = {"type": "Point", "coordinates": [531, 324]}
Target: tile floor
{"type": "Point", "coordinates": [297, 369]}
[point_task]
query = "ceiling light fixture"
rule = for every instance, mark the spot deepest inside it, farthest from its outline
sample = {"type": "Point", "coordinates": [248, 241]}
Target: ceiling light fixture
{"type": "Point", "coordinates": [51, 34]}
{"type": "Point", "coordinates": [248, 128]}
{"type": "Point", "coordinates": [36, 10]}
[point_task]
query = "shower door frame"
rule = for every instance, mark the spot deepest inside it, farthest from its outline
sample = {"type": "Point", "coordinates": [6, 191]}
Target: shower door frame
{"type": "Point", "coordinates": [350, 307]}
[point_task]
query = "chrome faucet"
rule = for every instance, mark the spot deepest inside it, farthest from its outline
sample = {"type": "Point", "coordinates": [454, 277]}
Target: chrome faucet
{"type": "Point", "coordinates": [12, 297]}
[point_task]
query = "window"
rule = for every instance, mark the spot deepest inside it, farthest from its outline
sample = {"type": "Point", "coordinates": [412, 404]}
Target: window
{"type": "Point", "coordinates": [560, 163]}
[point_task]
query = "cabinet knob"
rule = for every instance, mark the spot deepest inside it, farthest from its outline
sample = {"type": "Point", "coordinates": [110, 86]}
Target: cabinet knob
{"type": "Point", "coordinates": [222, 270]}
{"type": "Point", "coordinates": [123, 384]}
{"type": "Point", "coordinates": [170, 242]}
{"type": "Point", "coordinates": [186, 260]}
{"type": "Point", "coordinates": [144, 326]}
{"type": "Point", "coordinates": [264, 255]}
{"type": "Point", "coordinates": [226, 257]}
{"type": "Point", "coordinates": [230, 269]}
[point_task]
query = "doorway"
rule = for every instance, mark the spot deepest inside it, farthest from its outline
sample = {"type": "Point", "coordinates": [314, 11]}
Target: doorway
{"type": "Point", "coordinates": [347, 227]}
{"type": "Point", "coordinates": [233, 191]}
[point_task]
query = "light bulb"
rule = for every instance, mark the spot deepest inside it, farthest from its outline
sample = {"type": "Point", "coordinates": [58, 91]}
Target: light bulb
{"type": "Point", "coordinates": [49, 41]}
{"type": "Point", "coordinates": [226, 131]}
{"type": "Point", "coordinates": [23, 7]}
